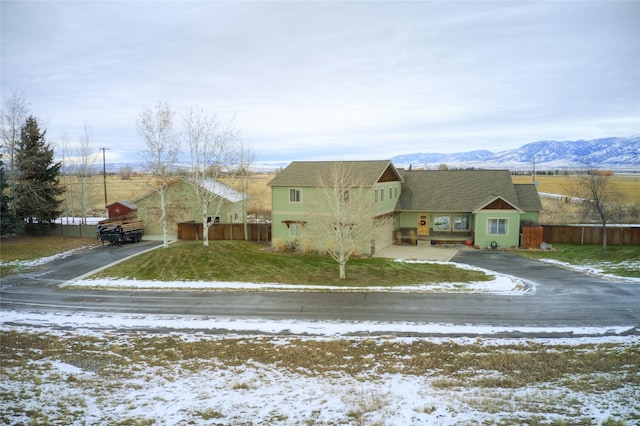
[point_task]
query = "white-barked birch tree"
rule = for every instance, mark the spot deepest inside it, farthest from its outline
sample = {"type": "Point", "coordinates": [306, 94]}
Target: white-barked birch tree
{"type": "Point", "coordinates": [215, 150]}
{"type": "Point", "coordinates": [341, 214]}
{"type": "Point", "coordinates": [161, 149]}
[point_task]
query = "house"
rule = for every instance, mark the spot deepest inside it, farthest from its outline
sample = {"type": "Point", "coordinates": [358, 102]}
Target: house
{"type": "Point", "coordinates": [294, 187]}
{"type": "Point", "coordinates": [182, 206]}
{"type": "Point", "coordinates": [482, 207]}
{"type": "Point", "coordinates": [121, 208]}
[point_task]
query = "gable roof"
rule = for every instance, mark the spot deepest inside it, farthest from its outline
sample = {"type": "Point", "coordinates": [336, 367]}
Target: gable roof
{"type": "Point", "coordinates": [221, 190]}
{"type": "Point", "coordinates": [308, 173]}
{"type": "Point", "coordinates": [459, 190]}
{"type": "Point", "coordinates": [128, 204]}
{"type": "Point", "coordinates": [528, 196]}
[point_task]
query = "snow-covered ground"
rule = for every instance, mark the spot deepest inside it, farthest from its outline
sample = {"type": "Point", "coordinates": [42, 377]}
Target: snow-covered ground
{"type": "Point", "coordinates": [70, 220]}
{"type": "Point", "coordinates": [598, 269]}
{"type": "Point", "coordinates": [74, 389]}
{"type": "Point", "coordinates": [56, 389]}
{"type": "Point", "coordinates": [19, 264]}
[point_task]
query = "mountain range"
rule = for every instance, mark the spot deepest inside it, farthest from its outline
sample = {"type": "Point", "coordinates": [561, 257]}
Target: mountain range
{"type": "Point", "coordinates": [619, 154]}
{"type": "Point", "coordinates": [622, 154]}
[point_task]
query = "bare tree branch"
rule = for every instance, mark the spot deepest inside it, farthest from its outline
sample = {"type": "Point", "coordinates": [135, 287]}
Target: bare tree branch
{"type": "Point", "coordinates": [603, 200]}
{"type": "Point", "coordinates": [340, 215]}
{"type": "Point", "coordinates": [155, 126]}
{"type": "Point", "coordinates": [13, 117]}
{"type": "Point", "coordinates": [214, 150]}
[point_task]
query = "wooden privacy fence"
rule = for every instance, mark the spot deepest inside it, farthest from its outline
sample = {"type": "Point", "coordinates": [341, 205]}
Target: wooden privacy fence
{"type": "Point", "coordinates": [620, 235]}
{"type": "Point", "coordinates": [532, 237]}
{"type": "Point", "coordinates": [225, 231]}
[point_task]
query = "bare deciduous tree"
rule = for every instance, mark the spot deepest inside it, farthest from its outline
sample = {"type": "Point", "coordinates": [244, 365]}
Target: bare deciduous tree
{"type": "Point", "coordinates": [126, 172]}
{"type": "Point", "coordinates": [13, 116]}
{"type": "Point", "coordinates": [155, 126]}
{"type": "Point", "coordinates": [67, 166]}
{"type": "Point", "coordinates": [214, 150]}
{"type": "Point", "coordinates": [86, 155]}
{"type": "Point", "coordinates": [603, 200]}
{"type": "Point", "coordinates": [340, 215]}
{"type": "Point", "coordinates": [247, 156]}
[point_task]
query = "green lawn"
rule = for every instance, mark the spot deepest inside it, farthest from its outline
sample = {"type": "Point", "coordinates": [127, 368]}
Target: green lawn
{"type": "Point", "coordinates": [251, 262]}
{"type": "Point", "coordinates": [620, 260]}
{"type": "Point", "coordinates": [27, 247]}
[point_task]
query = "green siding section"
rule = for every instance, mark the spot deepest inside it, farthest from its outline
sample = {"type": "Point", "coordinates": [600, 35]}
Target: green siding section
{"type": "Point", "coordinates": [482, 236]}
{"type": "Point", "coordinates": [285, 210]}
{"type": "Point", "coordinates": [182, 206]}
{"type": "Point", "coordinates": [408, 220]}
{"type": "Point", "coordinates": [531, 217]}
{"type": "Point", "coordinates": [388, 194]}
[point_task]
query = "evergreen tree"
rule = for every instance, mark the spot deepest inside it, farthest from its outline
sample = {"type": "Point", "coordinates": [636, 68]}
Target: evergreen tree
{"type": "Point", "coordinates": [38, 187]}
{"type": "Point", "coordinates": [7, 219]}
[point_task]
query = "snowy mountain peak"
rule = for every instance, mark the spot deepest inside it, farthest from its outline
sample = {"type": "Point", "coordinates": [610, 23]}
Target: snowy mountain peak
{"type": "Point", "coordinates": [611, 153]}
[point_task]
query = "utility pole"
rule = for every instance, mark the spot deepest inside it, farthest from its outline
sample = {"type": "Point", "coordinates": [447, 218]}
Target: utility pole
{"type": "Point", "coordinates": [534, 170]}
{"type": "Point", "coordinates": [104, 175]}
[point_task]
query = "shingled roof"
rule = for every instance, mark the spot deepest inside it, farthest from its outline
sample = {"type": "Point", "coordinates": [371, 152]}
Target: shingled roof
{"type": "Point", "coordinates": [309, 173]}
{"type": "Point", "coordinates": [528, 197]}
{"type": "Point", "coordinates": [462, 190]}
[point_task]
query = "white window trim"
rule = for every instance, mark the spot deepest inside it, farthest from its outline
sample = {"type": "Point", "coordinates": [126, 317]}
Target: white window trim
{"type": "Point", "coordinates": [466, 216]}
{"type": "Point", "coordinates": [437, 227]}
{"type": "Point", "coordinates": [299, 191]}
{"type": "Point", "coordinates": [506, 227]}
{"type": "Point", "coordinates": [297, 228]}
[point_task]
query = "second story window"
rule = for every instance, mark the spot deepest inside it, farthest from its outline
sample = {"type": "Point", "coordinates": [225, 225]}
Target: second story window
{"type": "Point", "coordinates": [294, 195]}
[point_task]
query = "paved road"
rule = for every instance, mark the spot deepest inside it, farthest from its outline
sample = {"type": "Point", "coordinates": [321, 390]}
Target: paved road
{"type": "Point", "coordinates": [562, 298]}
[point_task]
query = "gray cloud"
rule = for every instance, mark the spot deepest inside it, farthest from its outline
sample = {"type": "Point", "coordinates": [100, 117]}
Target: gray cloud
{"type": "Point", "coordinates": [325, 79]}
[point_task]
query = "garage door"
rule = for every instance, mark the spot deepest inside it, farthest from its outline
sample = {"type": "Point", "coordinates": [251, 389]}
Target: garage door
{"type": "Point", "coordinates": [384, 234]}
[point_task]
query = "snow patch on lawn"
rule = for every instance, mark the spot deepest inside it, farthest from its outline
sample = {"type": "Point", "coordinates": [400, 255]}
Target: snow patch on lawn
{"type": "Point", "coordinates": [42, 260]}
{"type": "Point", "coordinates": [598, 269]}
{"type": "Point", "coordinates": [500, 284]}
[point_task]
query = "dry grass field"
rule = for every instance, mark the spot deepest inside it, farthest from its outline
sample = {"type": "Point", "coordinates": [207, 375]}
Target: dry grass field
{"type": "Point", "coordinates": [559, 211]}
{"type": "Point", "coordinates": [118, 189]}
{"type": "Point", "coordinates": [629, 185]}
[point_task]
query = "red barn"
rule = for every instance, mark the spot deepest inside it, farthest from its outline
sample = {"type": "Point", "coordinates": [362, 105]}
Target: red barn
{"type": "Point", "coordinates": [121, 208]}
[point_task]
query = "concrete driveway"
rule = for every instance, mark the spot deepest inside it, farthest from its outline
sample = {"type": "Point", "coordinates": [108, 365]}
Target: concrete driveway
{"type": "Point", "coordinates": [419, 252]}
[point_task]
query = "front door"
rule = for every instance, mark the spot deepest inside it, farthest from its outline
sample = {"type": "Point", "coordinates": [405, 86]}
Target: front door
{"type": "Point", "coordinates": [423, 224]}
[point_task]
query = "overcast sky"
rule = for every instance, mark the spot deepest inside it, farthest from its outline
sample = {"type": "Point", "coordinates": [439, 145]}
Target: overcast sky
{"type": "Point", "coordinates": [331, 80]}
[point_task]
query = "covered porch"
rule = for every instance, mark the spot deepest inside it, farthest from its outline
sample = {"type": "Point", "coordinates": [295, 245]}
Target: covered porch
{"type": "Point", "coordinates": [411, 236]}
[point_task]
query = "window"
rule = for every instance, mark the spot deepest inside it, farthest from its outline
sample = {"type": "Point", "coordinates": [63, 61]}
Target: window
{"type": "Point", "coordinates": [498, 226]}
{"type": "Point", "coordinates": [382, 194]}
{"type": "Point", "coordinates": [295, 230]}
{"type": "Point", "coordinates": [460, 223]}
{"type": "Point", "coordinates": [376, 195]}
{"type": "Point", "coordinates": [441, 223]}
{"type": "Point", "coordinates": [294, 195]}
